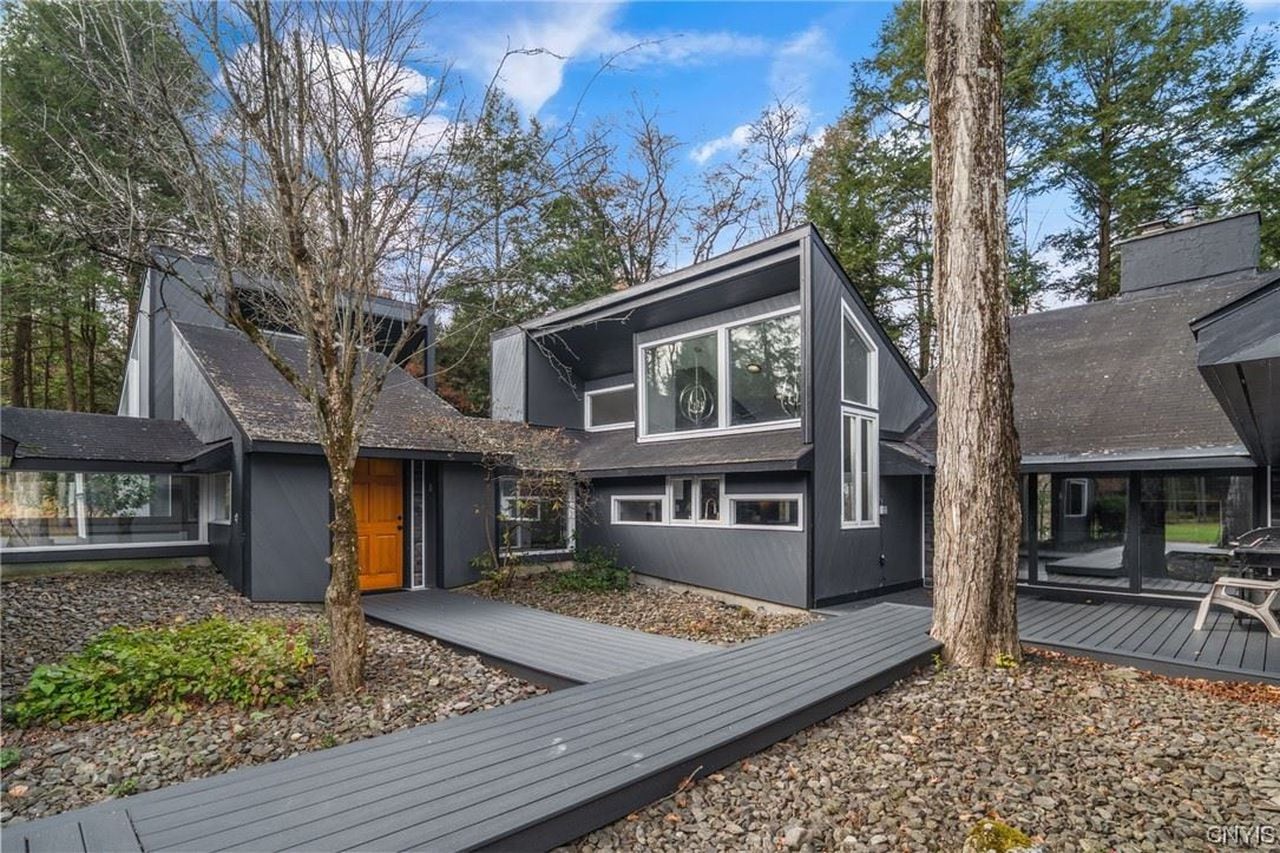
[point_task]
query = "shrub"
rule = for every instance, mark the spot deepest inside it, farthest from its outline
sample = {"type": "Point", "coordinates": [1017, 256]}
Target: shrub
{"type": "Point", "coordinates": [9, 756]}
{"type": "Point", "coordinates": [125, 670]}
{"type": "Point", "coordinates": [594, 570]}
{"type": "Point", "coordinates": [990, 835]}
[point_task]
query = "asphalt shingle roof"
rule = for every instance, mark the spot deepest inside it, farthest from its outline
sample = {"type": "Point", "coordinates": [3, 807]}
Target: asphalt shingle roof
{"type": "Point", "coordinates": [47, 434]}
{"type": "Point", "coordinates": [1119, 376]}
{"type": "Point", "coordinates": [407, 416]}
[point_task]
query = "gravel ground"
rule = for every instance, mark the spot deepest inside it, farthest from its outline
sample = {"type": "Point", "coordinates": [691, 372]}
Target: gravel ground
{"type": "Point", "coordinates": [409, 680]}
{"type": "Point", "coordinates": [1078, 755]}
{"type": "Point", "coordinates": [645, 608]}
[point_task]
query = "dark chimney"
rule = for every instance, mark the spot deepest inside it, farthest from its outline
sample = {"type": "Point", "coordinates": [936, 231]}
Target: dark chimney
{"type": "Point", "coordinates": [1188, 250]}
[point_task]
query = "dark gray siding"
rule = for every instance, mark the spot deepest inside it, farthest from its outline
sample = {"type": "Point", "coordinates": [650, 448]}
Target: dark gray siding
{"type": "Point", "coordinates": [289, 529]}
{"type": "Point", "coordinates": [848, 562]}
{"type": "Point", "coordinates": [507, 375]}
{"type": "Point", "coordinates": [196, 403]}
{"type": "Point", "coordinates": [764, 564]}
{"type": "Point", "coordinates": [172, 300]}
{"type": "Point", "coordinates": [466, 508]}
{"type": "Point", "coordinates": [553, 396]}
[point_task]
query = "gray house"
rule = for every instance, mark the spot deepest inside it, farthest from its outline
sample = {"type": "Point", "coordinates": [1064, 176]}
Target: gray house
{"type": "Point", "coordinates": [742, 425]}
{"type": "Point", "coordinates": [1150, 422]}
{"type": "Point", "coordinates": [746, 425]}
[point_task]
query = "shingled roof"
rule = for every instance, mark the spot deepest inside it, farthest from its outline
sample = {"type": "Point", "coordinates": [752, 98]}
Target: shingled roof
{"type": "Point", "coordinates": [1118, 378]}
{"type": "Point", "coordinates": [616, 452]}
{"type": "Point", "coordinates": [42, 435]}
{"type": "Point", "coordinates": [407, 416]}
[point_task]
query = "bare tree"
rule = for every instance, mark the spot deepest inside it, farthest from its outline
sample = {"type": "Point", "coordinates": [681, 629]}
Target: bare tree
{"type": "Point", "coordinates": [721, 219]}
{"type": "Point", "coordinates": [976, 507]}
{"type": "Point", "coordinates": [778, 144]}
{"type": "Point", "coordinates": [325, 167]}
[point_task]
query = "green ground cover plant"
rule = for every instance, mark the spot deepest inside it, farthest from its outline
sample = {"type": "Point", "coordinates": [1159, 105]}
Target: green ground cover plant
{"type": "Point", "coordinates": [165, 667]}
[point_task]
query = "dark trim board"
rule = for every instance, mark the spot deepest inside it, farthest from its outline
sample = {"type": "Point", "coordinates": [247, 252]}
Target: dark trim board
{"type": "Point", "coordinates": [61, 556]}
{"type": "Point", "coordinates": [536, 773]}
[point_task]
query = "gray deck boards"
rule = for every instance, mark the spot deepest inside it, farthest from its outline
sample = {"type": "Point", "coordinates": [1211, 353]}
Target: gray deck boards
{"type": "Point", "coordinates": [539, 772]}
{"type": "Point", "coordinates": [533, 641]}
{"type": "Point", "coordinates": [1157, 636]}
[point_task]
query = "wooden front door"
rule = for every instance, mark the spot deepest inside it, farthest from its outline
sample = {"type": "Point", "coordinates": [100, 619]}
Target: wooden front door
{"type": "Point", "coordinates": [379, 499]}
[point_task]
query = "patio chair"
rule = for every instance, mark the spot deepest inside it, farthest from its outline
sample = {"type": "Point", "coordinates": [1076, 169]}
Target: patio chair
{"type": "Point", "coordinates": [1262, 609]}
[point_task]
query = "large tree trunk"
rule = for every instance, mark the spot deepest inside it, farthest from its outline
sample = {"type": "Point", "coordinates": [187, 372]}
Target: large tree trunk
{"type": "Point", "coordinates": [20, 390]}
{"type": "Point", "coordinates": [976, 507]}
{"type": "Point", "coordinates": [1104, 288]}
{"type": "Point", "coordinates": [69, 365]}
{"type": "Point", "coordinates": [342, 597]}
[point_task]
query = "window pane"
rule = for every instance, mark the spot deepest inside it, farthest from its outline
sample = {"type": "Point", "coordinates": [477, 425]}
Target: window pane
{"type": "Point", "coordinates": [51, 509]}
{"type": "Point", "coordinates": [1076, 497]}
{"type": "Point", "coordinates": [531, 522]}
{"type": "Point", "coordinates": [609, 408]}
{"type": "Point", "coordinates": [681, 384]}
{"type": "Point", "coordinates": [767, 513]}
{"type": "Point", "coordinates": [856, 365]}
{"type": "Point", "coordinates": [864, 470]}
{"type": "Point", "coordinates": [220, 499]}
{"type": "Point", "coordinates": [682, 500]}
{"type": "Point", "coordinates": [639, 509]}
{"type": "Point", "coordinates": [709, 500]}
{"type": "Point", "coordinates": [764, 374]}
{"type": "Point", "coordinates": [849, 483]}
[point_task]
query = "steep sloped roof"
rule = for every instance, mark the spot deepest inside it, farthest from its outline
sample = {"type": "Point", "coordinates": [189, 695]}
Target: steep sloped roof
{"type": "Point", "coordinates": [407, 416]}
{"type": "Point", "coordinates": [1119, 377]}
{"type": "Point", "coordinates": [42, 434]}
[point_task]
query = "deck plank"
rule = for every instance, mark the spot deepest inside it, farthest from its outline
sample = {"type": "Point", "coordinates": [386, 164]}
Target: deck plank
{"type": "Point", "coordinates": [543, 771]}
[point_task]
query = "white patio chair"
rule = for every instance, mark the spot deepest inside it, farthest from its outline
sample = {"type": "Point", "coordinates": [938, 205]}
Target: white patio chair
{"type": "Point", "coordinates": [1263, 610]}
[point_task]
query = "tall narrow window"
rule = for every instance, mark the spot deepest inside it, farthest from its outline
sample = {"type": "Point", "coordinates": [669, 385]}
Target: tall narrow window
{"type": "Point", "coordinates": [858, 365]}
{"type": "Point", "coordinates": [859, 497]}
{"type": "Point", "coordinates": [682, 499]}
{"type": "Point", "coordinates": [709, 499]}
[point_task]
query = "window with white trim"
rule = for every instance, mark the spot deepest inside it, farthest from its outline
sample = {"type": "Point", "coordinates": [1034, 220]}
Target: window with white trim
{"type": "Point", "coordinates": [859, 495]}
{"type": "Point", "coordinates": [857, 363]}
{"type": "Point", "coordinates": [529, 522]}
{"type": "Point", "coordinates": [695, 500]}
{"type": "Point", "coordinates": [609, 408]}
{"type": "Point", "coordinates": [638, 509]}
{"type": "Point", "coordinates": [220, 498]}
{"type": "Point", "coordinates": [771, 511]}
{"type": "Point", "coordinates": [734, 377]}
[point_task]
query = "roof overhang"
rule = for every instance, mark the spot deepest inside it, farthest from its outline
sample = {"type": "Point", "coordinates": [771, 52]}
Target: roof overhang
{"type": "Point", "coordinates": [1175, 459]}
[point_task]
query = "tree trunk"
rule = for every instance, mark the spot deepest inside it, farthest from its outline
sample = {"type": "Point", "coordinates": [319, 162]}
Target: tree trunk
{"type": "Point", "coordinates": [69, 365]}
{"type": "Point", "coordinates": [976, 507]}
{"type": "Point", "coordinates": [20, 391]}
{"type": "Point", "coordinates": [342, 597]}
{"type": "Point", "coordinates": [1104, 288]}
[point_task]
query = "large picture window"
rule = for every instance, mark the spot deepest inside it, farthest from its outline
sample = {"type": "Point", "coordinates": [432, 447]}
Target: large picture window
{"type": "Point", "coordinates": [859, 496]}
{"type": "Point", "coordinates": [742, 375]}
{"type": "Point", "coordinates": [531, 522]}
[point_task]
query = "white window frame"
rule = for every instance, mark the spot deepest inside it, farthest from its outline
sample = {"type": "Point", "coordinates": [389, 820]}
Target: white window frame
{"type": "Point", "coordinates": [696, 501]}
{"type": "Point", "coordinates": [570, 520]}
{"type": "Point", "coordinates": [873, 467]}
{"type": "Point", "coordinates": [723, 389]}
{"type": "Point", "coordinates": [873, 361]}
{"type": "Point", "coordinates": [586, 409]}
{"type": "Point", "coordinates": [1066, 497]}
{"type": "Point", "coordinates": [661, 499]}
{"type": "Point", "coordinates": [212, 507]}
{"type": "Point", "coordinates": [732, 499]}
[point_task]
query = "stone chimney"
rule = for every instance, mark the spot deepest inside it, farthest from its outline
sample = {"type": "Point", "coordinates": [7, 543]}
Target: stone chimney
{"type": "Point", "coordinates": [1181, 249]}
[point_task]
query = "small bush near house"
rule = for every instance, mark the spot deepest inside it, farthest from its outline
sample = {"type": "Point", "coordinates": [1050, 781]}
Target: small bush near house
{"type": "Point", "coordinates": [594, 570]}
{"type": "Point", "coordinates": [994, 836]}
{"type": "Point", "coordinates": [127, 670]}
{"type": "Point", "coordinates": [9, 757]}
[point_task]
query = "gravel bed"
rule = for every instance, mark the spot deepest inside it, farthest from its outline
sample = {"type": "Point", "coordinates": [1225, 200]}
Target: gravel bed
{"type": "Point", "coordinates": [409, 680]}
{"type": "Point", "coordinates": [670, 612]}
{"type": "Point", "coordinates": [1080, 756]}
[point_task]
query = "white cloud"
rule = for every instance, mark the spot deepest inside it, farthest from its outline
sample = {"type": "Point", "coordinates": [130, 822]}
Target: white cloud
{"type": "Point", "coordinates": [555, 35]}
{"type": "Point", "coordinates": [797, 60]}
{"type": "Point", "coordinates": [732, 141]}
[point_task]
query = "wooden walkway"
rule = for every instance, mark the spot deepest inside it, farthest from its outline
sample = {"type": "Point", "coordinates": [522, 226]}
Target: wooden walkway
{"type": "Point", "coordinates": [530, 775]}
{"type": "Point", "coordinates": [1155, 637]}
{"type": "Point", "coordinates": [544, 647]}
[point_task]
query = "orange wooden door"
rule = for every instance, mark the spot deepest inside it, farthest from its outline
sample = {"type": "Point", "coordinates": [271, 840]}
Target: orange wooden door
{"type": "Point", "coordinates": [379, 499]}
